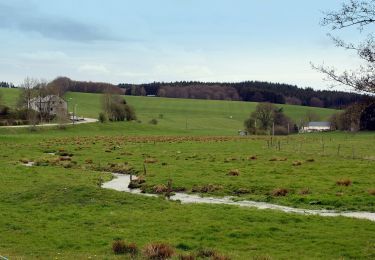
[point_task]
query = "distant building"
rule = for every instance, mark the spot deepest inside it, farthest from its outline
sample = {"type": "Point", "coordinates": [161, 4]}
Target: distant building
{"type": "Point", "coordinates": [317, 127]}
{"type": "Point", "coordinates": [242, 133]}
{"type": "Point", "coordinates": [49, 105]}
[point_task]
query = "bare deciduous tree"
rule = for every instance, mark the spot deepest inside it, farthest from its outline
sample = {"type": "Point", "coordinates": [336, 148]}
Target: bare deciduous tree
{"type": "Point", "coordinates": [354, 13]}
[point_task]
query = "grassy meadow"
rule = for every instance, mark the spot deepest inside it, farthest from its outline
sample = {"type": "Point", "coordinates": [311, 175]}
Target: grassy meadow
{"type": "Point", "coordinates": [196, 117]}
{"type": "Point", "coordinates": [57, 209]}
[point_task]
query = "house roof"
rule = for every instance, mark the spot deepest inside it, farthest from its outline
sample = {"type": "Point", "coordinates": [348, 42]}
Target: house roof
{"type": "Point", "coordinates": [319, 124]}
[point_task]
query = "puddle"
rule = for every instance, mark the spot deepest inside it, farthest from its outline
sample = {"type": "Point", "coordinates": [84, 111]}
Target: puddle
{"type": "Point", "coordinates": [121, 183]}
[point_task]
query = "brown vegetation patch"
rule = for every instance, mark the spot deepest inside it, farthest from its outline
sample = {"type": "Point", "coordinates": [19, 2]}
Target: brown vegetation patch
{"type": "Point", "coordinates": [297, 163]}
{"type": "Point", "coordinates": [344, 182]}
{"type": "Point", "coordinates": [280, 192]}
{"type": "Point", "coordinates": [372, 192]}
{"type": "Point", "coordinates": [158, 251]}
{"type": "Point", "coordinates": [310, 160]}
{"type": "Point", "coordinates": [253, 157]}
{"type": "Point", "coordinates": [304, 191]}
{"type": "Point", "coordinates": [186, 257]}
{"type": "Point", "coordinates": [150, 160]}
{"type": "Point", "coordinates": [206, 188]}
{"type": "Point", "coordinates": [234, 172]}
{"type": "Point", "coordinates": [161, 188]}
{"type": "Point", "coordinates": [278, 159]}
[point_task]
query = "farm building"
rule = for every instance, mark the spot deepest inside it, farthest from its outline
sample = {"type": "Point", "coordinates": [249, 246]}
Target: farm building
{"type": "Point", "coordinates": [317, 127]}
{"type": "Point", "coordinates": [50, 104]}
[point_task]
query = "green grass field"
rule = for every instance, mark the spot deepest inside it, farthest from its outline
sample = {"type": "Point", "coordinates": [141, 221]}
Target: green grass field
{"type": "Point", "coordinates": [57, 209]}
{"type": "Point", "coordinates": [208, 117]}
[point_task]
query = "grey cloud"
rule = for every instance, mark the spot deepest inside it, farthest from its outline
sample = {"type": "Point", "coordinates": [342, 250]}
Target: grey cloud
{"type": "Point", "coordinates": [26, 18]}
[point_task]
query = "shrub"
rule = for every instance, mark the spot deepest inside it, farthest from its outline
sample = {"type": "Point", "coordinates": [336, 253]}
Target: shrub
{"type": "Point", "coordinates": [158, 251]}
{"type": "Point", "coordinates": [279, 192]}
{"type": "Point", "coordinates": [153, 121]}
{"type": "Point", "coordinates": [344, 182]}
{"type": "Point", "coordinates": [102, 117]}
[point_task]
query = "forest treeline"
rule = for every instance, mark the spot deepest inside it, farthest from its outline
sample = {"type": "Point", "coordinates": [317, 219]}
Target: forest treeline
{"type": "Point", "coordinates": [253, 91]}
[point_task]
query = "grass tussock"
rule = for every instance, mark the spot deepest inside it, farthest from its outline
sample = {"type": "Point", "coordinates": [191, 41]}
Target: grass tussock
{"type": "Point", "coordinates": [344, 182]}
{"type": "Point", "coordinates": [186, 257]}
{"type": "Point", "coordinates": [158, 251]}
{"type": "Point", "coordinates": [252, 158]}
{"type": "Point", "coordinates": [297, 163]}
{"type": "Point", "coordinates": [120, 247]}
{"type": "Point", "coordinates": [278, 159]}
{"type": "Point", "coordinates": [206, 188]}
{"type": "Point", "coordinates": [234, 172]}
{"type": "Point", "coordinates": [150, 160]}
{"type": "Point", "coordinates": [161, 188]}
{"type": "Point", "coordinates": [372, 192]}
{"type": "Point", "coordinates": [279, 192]}
{"type": "Point", "coordinates": [304, 191]}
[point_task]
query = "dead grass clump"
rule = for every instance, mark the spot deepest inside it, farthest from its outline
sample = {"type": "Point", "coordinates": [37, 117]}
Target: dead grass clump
{"type": "Point", "coordinates": [161, 188]}
{"type": "Point", "coordinates": [253, 157]}
{"type": "Point", "coordinates": [344, 182]}
{"type": "Point", "coordinates": [230, 159]}
{"type": "Point", "coordinates": [279, 192]}
{"type": "Point", "coordinates": [186, 257]}
{"type": "Point", "coordinates": [220, 257]}
{"type": "Point", "coordinates": [206, 188]}
{"type": "Point", "coordinates": [89, 161]}
{"type": "Point", "coordinates": [158, 251]}
{"type": "Point", "coordinates": [242, 191]}
{"type": "Point", "coordinates": [262, 257]}
{"type": "Point", "coordinates": [372, 192]}
{"type": "Point", "coordinates": [65, 158]}
{"type": "Point", "coordinates": [23, 160]}
{"type": "Point", "coordinates": [121, 247]}
{"type": "Point", "coordinates": [278, 159]}
{"type": "Point", "coordinates": [137, 183]}
{"type": "Point", "coordinates": [206, 253]}
{"type": "Point", "coordinates": [297, 163]}
{"type": "Point", "coordinates": [63, 153]}
{"type": "Point", "coordinates": [150, 160]}
{"type": "Point", "coordinates": [234, 172]}
{"type": "Point", "coordinates": [304, 191]}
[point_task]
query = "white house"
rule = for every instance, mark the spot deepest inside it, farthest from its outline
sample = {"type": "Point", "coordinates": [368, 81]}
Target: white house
{"type": "Point", "coordinates": [317, 127]}
{"type": "Point", "coordinates": [50, 104]}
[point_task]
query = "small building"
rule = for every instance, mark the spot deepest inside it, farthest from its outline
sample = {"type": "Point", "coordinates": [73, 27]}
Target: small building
{"type": "Point", "coordinates": [242, 133]}
{"type": "Point", "coordinates": [317, 127]}
{"type": "Point", "coordinates": [49, 105]}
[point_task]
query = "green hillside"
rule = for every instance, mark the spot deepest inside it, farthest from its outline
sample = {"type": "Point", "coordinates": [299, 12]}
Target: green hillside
{"type": "Point", "coordinates": [220, 117]}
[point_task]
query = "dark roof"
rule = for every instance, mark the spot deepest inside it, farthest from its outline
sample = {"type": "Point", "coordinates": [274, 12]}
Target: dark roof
{"type": "Point", "coordinates": [319, 124]}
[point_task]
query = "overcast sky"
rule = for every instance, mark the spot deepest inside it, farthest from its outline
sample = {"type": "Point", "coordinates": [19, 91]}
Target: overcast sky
{"type": "Point", "coordinates": [167, 40]}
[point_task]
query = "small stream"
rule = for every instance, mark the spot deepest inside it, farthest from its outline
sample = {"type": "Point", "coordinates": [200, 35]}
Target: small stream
{"type": "Point", "coordinates": [121, 183]}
